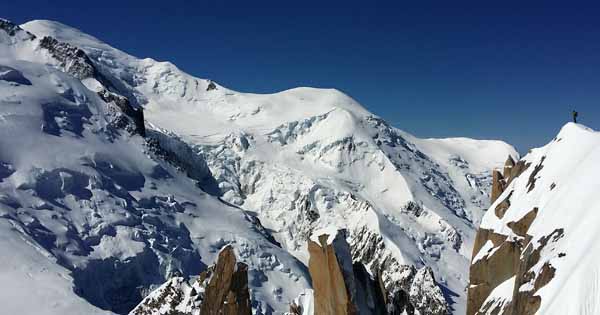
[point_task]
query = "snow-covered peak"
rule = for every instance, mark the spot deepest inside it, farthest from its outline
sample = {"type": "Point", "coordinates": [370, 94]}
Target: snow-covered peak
{"type": "Point", "coordinates": [171, 95]}
{"type": "Point", "coordinates": [287, 164]}
{"type": "Point", "coordinates": [64, 33]}
{"type": "Point", "coordinates": [575, 130]}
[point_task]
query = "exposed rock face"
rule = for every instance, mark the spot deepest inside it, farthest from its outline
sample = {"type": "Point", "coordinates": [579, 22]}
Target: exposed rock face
{"type": "Point", "coordinates": [501, 208]}
{"type": "Point", "coordinates": [170, 148]}
{"type": "Point", "coordinates": [501, 180]}
{"type": "Point", "coordinates": [400, 285]}
{"type": "Point", "coordinates": [77, 63]}
{"type": "Point", "coordinates": [520, 273]}
{"type": "Point", "coordinates": [133, 118]}
{"type": "Point", "coordinates": [12, 29]}
{"type": "Point", "coordinates": [488, 272]}
{"type": "Point", "coordinates": [220, 290]}
{"type": "Point", "coordinates": [330, 267]}
{"type": "Point", "coordinates": [341, 287]}
{"type": "Point", "coordinates": [227, 290]}
{"type": "Point", "coordinates": [170, 298]}
{"type": "Point", "coordinates": [425, 295]}
{"type": "Point", "coordinates": [72, 59]}
{"type": "Point", "coordinates": [510, 259]}
{"type": "Point", "coordinates": [498, 185]}
{"type": "Point", "coordinates": [508, 166]}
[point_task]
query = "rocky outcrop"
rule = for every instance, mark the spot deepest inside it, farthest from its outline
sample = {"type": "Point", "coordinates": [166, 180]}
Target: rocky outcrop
{"type": "Point", "coordinates": [508, 258]}
{"type": "Point", "coordinates": [330, 267]}
{"type": "Point", "coordinates": [487, 272]}
{"type": "Point", "coordinates": [227, 290]}
{"type": "Point", "coordinates": [12, 29]}
{"type": "Point", "coordinates": [501, 180]}
{"type": "Point", "coordinates": [168, 147]}
{"type": "Point", "coordinates": [405, 288]}
{"type": "Point", "coordinates": [126, 116]}
{"type": "Point", "coordinates": [220, 290]}
{"type": "Point", "coordinates": [498, 185]}
{"type": "Point", "coordinates": [343, 287]}
{"type": "Point", "coordinates": [516, 266]}
{"type": "Point", "coordinates": [508, 166]}
{"type": "Point", "coordinates": [73, 60]}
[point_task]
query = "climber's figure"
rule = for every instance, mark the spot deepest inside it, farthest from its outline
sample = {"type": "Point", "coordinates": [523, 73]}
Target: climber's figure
{"type": "Point", "coordinates": [575, 116]}
{"type": "Point", "coordinates": [211, 86]}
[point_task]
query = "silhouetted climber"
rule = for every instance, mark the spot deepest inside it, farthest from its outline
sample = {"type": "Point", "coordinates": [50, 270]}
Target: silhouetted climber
{"type": "Point", "coordinates": [211, 86]}
{"type": "Point", "coordinates": [575, 116]}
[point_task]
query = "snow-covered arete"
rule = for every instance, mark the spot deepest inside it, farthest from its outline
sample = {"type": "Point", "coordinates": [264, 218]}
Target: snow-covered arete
{"type": "Point", "coordinates": [552, 223]}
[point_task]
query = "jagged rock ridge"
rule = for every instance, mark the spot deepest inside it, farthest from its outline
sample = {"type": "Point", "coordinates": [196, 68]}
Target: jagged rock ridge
{"type": "Point", "coordinates": [536, 251]}
{"type": "Point", "coordinates": [221, 289]}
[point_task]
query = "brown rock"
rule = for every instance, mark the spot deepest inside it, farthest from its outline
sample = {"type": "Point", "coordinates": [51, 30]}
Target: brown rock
{"type": "Point", "coordinates": [546, 274]}
{"type": "Point", "coordinates": [482, 236]}
{"type": "Point", "coordinates": [498, 185]}
{"type": "Point", "coordinates": [331, 292]}
{"type": "Point", "coordinates": [510, 258]}
{"type": "Point", "coordinates": [487, 273]}
{"type": "Point", "coordinates": [295, 309]}
{"type": "Point", "coordinates": [503, 206]}
{"type": "Point", "coordinates": [520, 227]}
{"type": "Point", "coordinates": [227, 291]}
{"type": "Point", "coordinates": [508, 165]}
{"type": "Point", "coordinates": [518, 169]}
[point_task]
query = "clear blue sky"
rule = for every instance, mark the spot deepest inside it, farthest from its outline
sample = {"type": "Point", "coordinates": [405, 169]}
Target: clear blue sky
{"type": "Point", "coordinates": [442, 68]}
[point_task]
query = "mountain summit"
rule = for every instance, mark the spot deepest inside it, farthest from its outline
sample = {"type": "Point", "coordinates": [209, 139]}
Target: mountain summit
{"type": "Point", "coordinates": [120, 175]}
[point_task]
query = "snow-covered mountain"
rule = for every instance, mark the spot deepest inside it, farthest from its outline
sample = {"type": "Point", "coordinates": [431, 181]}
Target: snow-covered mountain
{"type": "Point", "coordinates": [120, 172]}
{"type": "Point", "coordinates": [537, 247]}
{"type": "Point", "coordinates": [92, 214]}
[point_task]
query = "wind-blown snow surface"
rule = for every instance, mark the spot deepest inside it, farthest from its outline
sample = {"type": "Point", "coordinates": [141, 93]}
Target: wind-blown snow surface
{"type": "Point", "coordinates": [562, 182]}
{"type": "Point", "coordinates": [298, 160]}
{"type": "Point", "coordinates": [88, 208]}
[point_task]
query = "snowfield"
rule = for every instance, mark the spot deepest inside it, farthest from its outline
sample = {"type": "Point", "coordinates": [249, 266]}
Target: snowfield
{"type": "Point", "coordinates": [91, 207]}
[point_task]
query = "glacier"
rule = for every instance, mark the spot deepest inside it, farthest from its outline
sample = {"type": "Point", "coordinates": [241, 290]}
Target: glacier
{"type": "Point", "coordinates": [118, 173]}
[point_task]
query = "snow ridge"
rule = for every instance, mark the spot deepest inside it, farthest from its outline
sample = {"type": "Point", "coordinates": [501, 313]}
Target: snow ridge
{"type": "Point", "coordinates": [551, 220]}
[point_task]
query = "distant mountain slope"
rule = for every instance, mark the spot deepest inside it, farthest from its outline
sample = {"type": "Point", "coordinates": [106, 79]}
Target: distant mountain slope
{"type": "Point", "coordinates": [92, 214]}
{"type": "Point", "coordinates": [537, 249]}
{"type": "Point", "coordinates": [292, 161]}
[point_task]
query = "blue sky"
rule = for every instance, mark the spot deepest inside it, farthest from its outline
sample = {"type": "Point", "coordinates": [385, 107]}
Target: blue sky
{"type": "Point", "coordinates": [435, 69]}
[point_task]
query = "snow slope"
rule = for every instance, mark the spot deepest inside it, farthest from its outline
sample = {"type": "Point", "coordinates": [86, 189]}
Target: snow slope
{"type": "Point", "coordinates": [298, 160]}
{"type": "Point", "coordinates": [562, 183]}
{"type": "Point", "coordinates": [93, 216]}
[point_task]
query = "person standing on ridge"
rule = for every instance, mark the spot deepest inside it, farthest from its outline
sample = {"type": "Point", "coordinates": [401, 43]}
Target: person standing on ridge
{"type": "Point", "coordinates": [575, 116]}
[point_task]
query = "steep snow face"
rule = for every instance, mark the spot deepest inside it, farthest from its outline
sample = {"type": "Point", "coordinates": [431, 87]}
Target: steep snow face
{"type": "Point", "coordinates": [553, 218]}
{"type": "Point", "coordinates": [306, 158]}
{"type": "Point", "coordinates": [92, 215]}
